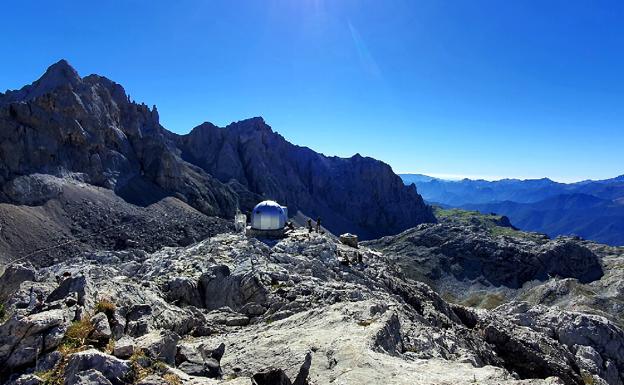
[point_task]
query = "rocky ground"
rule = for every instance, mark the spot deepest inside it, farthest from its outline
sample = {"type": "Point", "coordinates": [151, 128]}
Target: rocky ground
{"type": "Point", "coordinates": [236, 310]}
{"type": "Point", "coordinates": [63, 217]}
{"type": "Point", "coordinates": [482, 261]}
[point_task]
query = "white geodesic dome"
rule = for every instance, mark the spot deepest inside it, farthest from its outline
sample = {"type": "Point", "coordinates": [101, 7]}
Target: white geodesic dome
{"type": "Point", "coordinates": [268, 215]}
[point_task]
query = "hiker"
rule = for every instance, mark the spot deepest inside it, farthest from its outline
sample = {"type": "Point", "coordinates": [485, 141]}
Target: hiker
{"type": "Point", "coordinates": [318, 224]}
{"type": "Point", "coordinates": [359, 257]}
{"type": "Point", "coordinates": [309, 225]}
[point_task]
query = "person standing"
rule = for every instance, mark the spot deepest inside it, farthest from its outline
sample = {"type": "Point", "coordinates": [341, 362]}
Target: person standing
{"type": "Point", "coordinates": [318, 225]}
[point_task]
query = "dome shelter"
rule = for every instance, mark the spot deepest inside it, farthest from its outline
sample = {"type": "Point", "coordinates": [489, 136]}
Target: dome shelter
{"type": "Point", "coordinates": [268, 215]}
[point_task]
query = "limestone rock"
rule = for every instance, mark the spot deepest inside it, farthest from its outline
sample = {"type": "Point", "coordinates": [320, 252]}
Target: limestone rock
{"type": "Point", "coordinates": [101, 327]}
{"type": "Point", "coordinates": [71, 285]}
{"type": "Point", "coordinates": [12, 278]}
{"type": "Point", "coordinates": [87, 377]}
{"type": "Point", "coordinates": [23, 339]}
{"type": "Point", "coordinates": [199, 360]}
{"type": "Point", "coordinates": [159, 345]}
{"type": "Point", "coordinates": [219, 288]}
{"type": "Point", "coordinates": [124, 347]}
{"type": "Point", "coordinates": [27, 379]}
{"type": "Point", "coordinates": [99, 365]}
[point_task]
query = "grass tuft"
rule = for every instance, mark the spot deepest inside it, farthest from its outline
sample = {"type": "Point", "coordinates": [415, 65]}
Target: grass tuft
{"type": "Point", "coordinates": [107, 307]}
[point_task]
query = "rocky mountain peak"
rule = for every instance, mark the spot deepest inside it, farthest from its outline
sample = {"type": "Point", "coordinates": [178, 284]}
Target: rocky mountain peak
{"type": "Point", "coordinates": [58, 74]}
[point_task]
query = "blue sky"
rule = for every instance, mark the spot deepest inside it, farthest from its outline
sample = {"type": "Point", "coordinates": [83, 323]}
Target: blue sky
{"type": "Point", "coordinates": [465, 88]}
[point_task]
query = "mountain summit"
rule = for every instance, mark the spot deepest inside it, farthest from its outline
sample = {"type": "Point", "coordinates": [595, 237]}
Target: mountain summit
{"type": "Point", "coordinates": [86, 129]}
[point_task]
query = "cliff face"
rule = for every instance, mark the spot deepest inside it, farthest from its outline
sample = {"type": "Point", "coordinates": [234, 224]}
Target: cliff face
{"type": "Point", "coordinates": [356, 194]}
{"type": "Point", "coordinates": [88, 129]}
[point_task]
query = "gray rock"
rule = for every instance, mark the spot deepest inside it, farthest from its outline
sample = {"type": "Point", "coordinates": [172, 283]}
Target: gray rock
{"type": "Point", "coordinates": [199, 360]}
{"type": "Point", "coordinates": [48, 361]}
{"type": "Point", "coordinates": [26, 379]}
{"type": "Point", "coordinates": [116, 371]}
{"type": "Point", "coordinates": [153, 379]}
{"type": "Point", "coordinates": [73, 285]}
{"type": "Point", "coordinates": [183, 291]}
{"type": "Point", "coordinates": [237, 320]}
{"type": "Point", "coordinates": [87, 377]}
{"type": "Point", "coordinates": [101, 327]}
{"type": "Point", "coordinates": [124, 347]}
{"type": "Point", "coordinates": [23, 339]}
{"type": "Point", "coordinates": [466, 253]}
{"type": "Point", "coordinates": [159, 345]}
{"type": "Point", "coordinates": [220, 289]}
{"type": "Point", "coordinates": [12, 278]}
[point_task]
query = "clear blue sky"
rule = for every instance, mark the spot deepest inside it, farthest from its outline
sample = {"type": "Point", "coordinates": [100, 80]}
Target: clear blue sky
{"type": "Point", "coordinates": [465, 87]}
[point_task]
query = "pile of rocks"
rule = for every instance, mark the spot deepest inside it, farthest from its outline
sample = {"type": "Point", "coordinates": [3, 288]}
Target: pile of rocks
{"type": "Point", "coordinates": [235, 310]}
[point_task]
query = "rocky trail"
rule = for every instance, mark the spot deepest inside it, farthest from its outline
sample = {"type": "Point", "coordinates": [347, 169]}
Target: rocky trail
{"type": "Point", "coordinates": [235, 310]}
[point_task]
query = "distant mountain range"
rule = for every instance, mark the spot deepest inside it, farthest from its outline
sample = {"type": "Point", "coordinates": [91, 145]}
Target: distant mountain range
{"type": "Point", "coordinates": [592, 209]}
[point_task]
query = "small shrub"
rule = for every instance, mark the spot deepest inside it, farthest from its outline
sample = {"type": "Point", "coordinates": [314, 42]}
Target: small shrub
{"type": "Point", "coordinates": [172, 379]}
{"type": "Point", "coordinates": [107, 307]}
{"type": "Point", "coordinates": [78, 333]}
{"type": "Point", "coordinates": [143, 366]}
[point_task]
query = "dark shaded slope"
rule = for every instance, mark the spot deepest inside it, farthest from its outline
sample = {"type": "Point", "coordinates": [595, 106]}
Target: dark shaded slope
{"type": "Point", "coordinates": [356, 194]}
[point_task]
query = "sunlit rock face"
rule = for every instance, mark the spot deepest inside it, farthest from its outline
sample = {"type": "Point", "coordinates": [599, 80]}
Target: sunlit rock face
{"type": "Point", "coordinates": [233, 307]}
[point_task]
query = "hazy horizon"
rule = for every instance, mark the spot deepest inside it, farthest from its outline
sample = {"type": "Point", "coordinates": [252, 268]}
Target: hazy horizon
{"type": "Point", "coordinates": [491, 178]}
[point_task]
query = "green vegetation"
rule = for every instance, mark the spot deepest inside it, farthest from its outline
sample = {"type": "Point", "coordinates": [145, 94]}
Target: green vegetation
{"type": "Point", "coordinates": [496, 225]}
{"type": "Point", "coordinates": [76, 339]}
{"type": "Point", "coordinates": [78, 333]}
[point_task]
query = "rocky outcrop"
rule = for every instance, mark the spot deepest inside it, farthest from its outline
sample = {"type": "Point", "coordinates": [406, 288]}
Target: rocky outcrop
{"type": "Point", "coordinates": [94, 365]}
{"type": "Point", "coordinates": [476, 253]}
{"type": "Point", "coordinates": [63, 125]}
{"type": "Point", "coordinates": [356, 194]}
{"type": "Point", "coordinates": [292, 313]}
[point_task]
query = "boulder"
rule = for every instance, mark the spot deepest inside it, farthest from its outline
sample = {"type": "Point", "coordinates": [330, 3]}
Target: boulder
{"type": "Point", "coordinates": [271, 376]}
{"type": "Point", "coordinates": [23, 339]}
{"type": "Point", "coordinates": [183, 291]}
{"type": "Point", "coordinates": [26, 379]}
{"type": "Point", "coordinates": [78, 285]}
{"type": "Point", "coordinates": [199, 360]}
{"type": "Point", "coordinates": [101, 328]}
{"type": "Point", "coordinates": [274, 376]}
{"type": "Point", "coordinates": [530, 354]}
{"type": "Point", "coordinates": [116, 371]}
{"type": "Point", "coordinates": [124, 347]}
{"type": "Point", "coordinates": [219, 289]}
{"type": "Point", "coordinates": [48, 361]}
{"type": "Point", "coordinates": [14, 275]}
{"type": "Point", "coordinates": [159, 345]}
{"type": "Point", "coordinates": [87, 377]}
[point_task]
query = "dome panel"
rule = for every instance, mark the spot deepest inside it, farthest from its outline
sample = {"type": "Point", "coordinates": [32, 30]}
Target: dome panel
{"type": "Point", "coordinates": [268, 215]}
